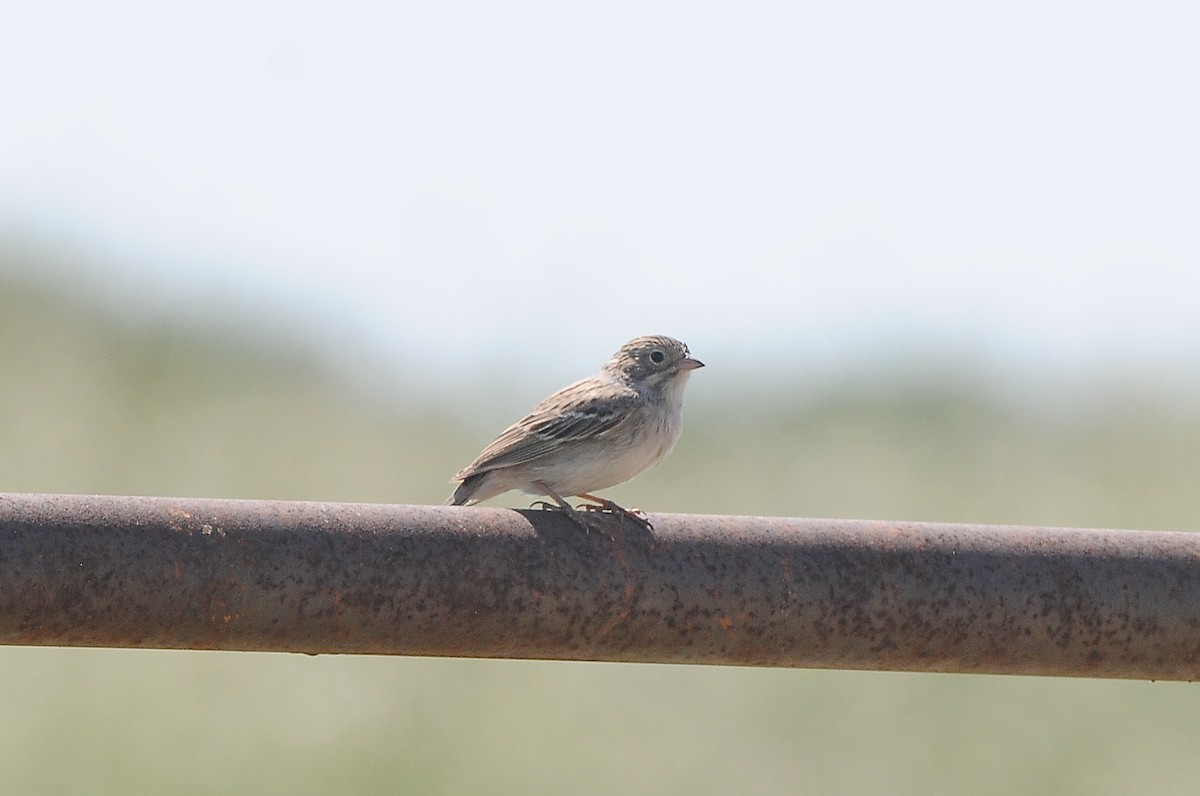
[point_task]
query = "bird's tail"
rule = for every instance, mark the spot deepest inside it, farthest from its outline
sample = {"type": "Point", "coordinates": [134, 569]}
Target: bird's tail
{"type": "Point", "coordinates": [463, 496]}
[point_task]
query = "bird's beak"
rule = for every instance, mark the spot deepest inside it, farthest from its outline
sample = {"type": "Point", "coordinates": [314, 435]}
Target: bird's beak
{"type": "Point", "coordinates": [687, 363]}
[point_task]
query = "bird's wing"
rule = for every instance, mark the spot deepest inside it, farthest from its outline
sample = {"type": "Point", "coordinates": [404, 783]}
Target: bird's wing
{"type": "Point", "coordinates": [585, 409]}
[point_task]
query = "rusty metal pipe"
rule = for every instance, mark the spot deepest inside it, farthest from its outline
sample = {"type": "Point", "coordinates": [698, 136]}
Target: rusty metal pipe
{"type": "Point", "coordinates": [483, 582]}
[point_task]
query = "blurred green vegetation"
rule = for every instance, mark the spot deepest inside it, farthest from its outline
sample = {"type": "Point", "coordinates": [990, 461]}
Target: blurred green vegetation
{"type": "Point", "coordinates": [95, 401]}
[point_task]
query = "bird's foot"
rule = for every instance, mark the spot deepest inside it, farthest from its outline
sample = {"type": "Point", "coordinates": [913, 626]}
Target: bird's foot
{"type": "Point", "coordinates": [563, 508]}
{"type": "Point", "coordinates": [610, 507]}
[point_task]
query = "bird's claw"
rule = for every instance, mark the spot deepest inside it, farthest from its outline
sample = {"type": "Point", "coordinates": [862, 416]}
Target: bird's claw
{"type": "Point", "coordinates": [580, 514]}
{"type": "Point", "coordinates": [566, 509]}
{"type": "Point", "coordinates": [622, 513]}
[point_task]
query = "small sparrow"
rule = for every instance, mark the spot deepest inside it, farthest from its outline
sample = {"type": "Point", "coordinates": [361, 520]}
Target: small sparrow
{"type": "Point", "coordinates": [590, 435]}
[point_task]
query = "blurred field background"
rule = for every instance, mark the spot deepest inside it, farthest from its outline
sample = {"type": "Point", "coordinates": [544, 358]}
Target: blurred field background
{"type": "Point", "coordinates": [101, 399]}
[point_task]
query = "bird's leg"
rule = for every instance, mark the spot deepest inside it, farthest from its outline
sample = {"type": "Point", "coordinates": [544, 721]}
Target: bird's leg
{"type": "Point", "coordinates": [562, 505]}
{"type": "Point", "coordinates": [637, 515]}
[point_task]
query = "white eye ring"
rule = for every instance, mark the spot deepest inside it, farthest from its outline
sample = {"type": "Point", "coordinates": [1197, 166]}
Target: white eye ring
{"type": "Point", "coordinates": [657, 357]}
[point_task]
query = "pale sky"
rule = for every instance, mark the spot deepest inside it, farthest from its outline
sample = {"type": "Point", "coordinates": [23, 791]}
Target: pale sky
{"type": "Point", "coordinates": [787, 183]}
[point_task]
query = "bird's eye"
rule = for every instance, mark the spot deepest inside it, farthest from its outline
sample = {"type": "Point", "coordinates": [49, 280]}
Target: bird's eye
{"type": "Point", "coordinates": [657, 357]}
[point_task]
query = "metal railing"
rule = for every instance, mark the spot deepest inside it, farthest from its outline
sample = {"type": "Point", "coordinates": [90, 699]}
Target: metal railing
{"type": "Point", "coordinates": [483, 582]}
